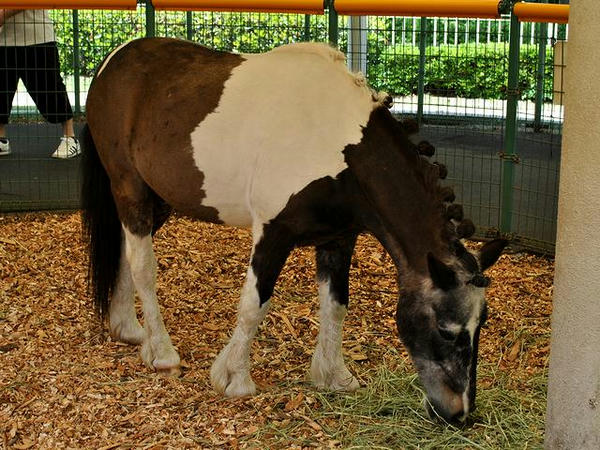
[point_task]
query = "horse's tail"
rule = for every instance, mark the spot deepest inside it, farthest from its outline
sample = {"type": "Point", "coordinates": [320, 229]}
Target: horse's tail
{"type": "Point", "coordinates": [100, 225]}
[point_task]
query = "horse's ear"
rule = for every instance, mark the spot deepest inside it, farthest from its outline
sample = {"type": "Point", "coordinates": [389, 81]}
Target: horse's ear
{"type": "Point", "coordinates": [490, 252]}
{"type": "Point", "coordinates": [442, 276]}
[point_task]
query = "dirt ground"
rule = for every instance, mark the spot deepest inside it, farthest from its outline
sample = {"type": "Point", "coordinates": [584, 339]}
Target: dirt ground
{"type": "Point", "coordinates": [65, 384]}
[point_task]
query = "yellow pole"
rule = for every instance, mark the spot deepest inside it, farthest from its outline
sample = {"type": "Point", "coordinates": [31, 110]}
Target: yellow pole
{"type": "Point", "coordinates": [68, 4]}
{"type": "Point", "coordinates": [542, 12]}
{"type": "Point", "coordinates": [280, 6]}
{"type": "Point", "coordinates": [484, 9]}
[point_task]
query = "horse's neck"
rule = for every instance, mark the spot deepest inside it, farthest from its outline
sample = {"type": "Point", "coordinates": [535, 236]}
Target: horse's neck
{"type": "Point", "coordinates": [406, 212]}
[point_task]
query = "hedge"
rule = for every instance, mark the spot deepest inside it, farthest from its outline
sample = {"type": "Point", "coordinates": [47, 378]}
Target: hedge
{"type": "Point", "coordinates": [464, 70]}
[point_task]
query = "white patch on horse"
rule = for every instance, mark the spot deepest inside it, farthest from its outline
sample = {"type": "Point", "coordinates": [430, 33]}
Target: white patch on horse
{"type": "Point", "coordinates": [452, 327]}
{"type": "Point", "coordinates": [124, 325]}
{"type": "Point", "coordinates": [157, 350]}
{"type": "Point", "coordinates": [283, 120]}
{"type": "Point", "coordinates": [327, 368]}
{"type": "Point", "coordinates": [230, 372]}
{"type": "Point", "coordinates": [466, 403]}
{"type": "Point", "coordinates": [474, 300]}
{"type": "Point", "coordinates": [109, 57]}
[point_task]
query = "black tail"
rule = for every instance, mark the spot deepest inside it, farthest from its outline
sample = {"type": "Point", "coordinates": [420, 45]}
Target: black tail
{"type": "Point", "coordinates": [101, 225]}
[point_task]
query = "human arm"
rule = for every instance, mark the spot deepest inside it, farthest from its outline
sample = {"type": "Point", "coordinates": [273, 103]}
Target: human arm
{"type": "Point", "coordinates": [6, 13]}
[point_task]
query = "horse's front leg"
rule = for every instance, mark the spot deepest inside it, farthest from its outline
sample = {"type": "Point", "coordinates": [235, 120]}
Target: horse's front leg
{"type": "Point", "coordinates": [328, 369]}
{"type": "Point", "coordinates": [230, 373]}
{"type": "Point", "coordinates": [157, 350]}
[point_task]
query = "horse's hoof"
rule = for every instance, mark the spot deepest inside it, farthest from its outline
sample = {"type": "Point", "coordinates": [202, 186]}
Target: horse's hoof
{"type": "Point", "coordinates": [240, 386]}
{"type": "Point", "coordinates": [133, 334]}
{"type": "Point", "coordinates": [225, 381]}
{"type": "Point", "coordinates": [333, 380]}
{"type": "Point", "coordinates": [168, 364]}
{"type": "Point", "coordinates": [349, 384]}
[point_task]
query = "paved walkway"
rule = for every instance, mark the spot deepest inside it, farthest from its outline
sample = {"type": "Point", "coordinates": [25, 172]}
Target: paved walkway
{"type": "Point", "coordinates": [30, 179]}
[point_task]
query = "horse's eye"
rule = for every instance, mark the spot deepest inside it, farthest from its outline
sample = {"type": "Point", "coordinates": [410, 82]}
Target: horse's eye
{"type": "Point", "coordinates": [447, 335]}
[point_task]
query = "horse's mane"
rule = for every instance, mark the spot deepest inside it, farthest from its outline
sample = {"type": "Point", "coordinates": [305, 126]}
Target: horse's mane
{"type": "Point", "coordinates": [445, 216]}
{"type": "Point", "coordinates": [338, 59]}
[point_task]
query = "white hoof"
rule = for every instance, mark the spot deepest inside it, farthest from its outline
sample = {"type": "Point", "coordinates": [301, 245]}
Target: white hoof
{"type": "Point", "coordinates": [332, 377]}
{"type": "Point", "coordinates": [240, 385]}
{"type": "Point", "coordinates": [161, 357]}
{"type": "Point", "coordinates": [345, 382]}
{"type": "Point", "coordinates": [129, 332]}
{"type": "Point", "coordinates": [228, 381]}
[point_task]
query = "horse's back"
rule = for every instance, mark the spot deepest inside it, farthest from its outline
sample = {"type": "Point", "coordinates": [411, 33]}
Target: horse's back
{"type": "Point", "coordinates": [236, 133]}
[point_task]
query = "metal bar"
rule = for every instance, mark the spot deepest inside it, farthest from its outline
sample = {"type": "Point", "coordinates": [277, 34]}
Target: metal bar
{"type": "Point", "coordinates": [76, 62]}
{"type": "Point", "coordinates": [280, 6]}
{"type": "Point", "coordinates": [189, 25]}
{"type": "Point", "coordinates": [484, 9]}
{"type": "Point", "coordinates": [510, 132]}
{"type": "Point", "coordinates": [421, 79]}
{"type": "Point", "coordinates": [150, 19]}
{"type": "Point", "coordinates": [68, 4]}
{"type": "Point", "coordinates": [541, 12]}
{"type": "Point", "coordinates": [541, 71]}
{"type": "Point", "coordinates": [333, 24]}
{"type": "Point", "coordinates": [306, 36]}
{"type": "Point", "coordinates": [357, 44]}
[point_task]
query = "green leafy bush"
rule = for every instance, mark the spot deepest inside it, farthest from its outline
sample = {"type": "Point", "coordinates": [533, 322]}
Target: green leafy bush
{"type": "Point", "coordinates": [463, 70]}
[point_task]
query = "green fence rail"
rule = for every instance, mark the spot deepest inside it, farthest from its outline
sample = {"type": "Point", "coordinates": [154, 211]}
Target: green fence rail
{"type": "Point", "coordinates": [487, 93]}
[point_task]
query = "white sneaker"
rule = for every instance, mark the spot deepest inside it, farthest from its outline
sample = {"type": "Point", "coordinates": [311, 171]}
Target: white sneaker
{"type": "Point", "coordinates": [4, 146]}
{"type": "Point", "coordinates": [68, 148]}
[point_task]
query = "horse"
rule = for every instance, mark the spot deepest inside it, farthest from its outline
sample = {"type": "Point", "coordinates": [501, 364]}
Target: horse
{"type": "Point", "coordinates": [293, 145]}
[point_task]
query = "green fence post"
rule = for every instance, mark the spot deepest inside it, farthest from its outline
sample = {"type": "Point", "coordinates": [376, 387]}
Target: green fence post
{"type": "Point", "coordinates": [150, 19]}
{"type": "Point", "coordinates": [421, 80]}
{"type": "Point", "coordinates": [306, 36]}
{"type": "Point", "coordinates": [509, 158]}
{"type": "Point", "coordinates": [189, 32]}
{"type": "Point", "coordinates": [539, 87]}
{"type": "Point", "coordinates": [333, 24]}
{"type": "Point", "coordinates": [76, 62]}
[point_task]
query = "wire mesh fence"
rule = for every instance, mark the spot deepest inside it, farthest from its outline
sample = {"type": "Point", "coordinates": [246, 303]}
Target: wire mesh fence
{"type": "Point", "coordinates": [451, 74]}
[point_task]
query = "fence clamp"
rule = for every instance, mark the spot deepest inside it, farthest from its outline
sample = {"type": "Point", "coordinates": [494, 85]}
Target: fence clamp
{"type": "Point", "coordinates": [505, 6]}
{"type": "Point", "coordinates": [510, 157]}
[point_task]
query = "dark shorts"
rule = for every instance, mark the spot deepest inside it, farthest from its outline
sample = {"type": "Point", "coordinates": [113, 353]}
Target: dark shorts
{"type": "Point", "coordinates": [39, 68]}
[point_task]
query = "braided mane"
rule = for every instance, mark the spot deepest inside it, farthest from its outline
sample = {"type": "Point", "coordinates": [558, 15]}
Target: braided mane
{"type": "Point", "coordinates": [452, 224]}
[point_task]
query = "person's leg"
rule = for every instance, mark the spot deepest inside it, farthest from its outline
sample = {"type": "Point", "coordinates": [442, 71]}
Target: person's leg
{"type": "Point", "coordinates": [68, 129]}
{"type": "Point", "coordinates": [9, 79]}
{"type": "Point", "coordinates": [46, 87]}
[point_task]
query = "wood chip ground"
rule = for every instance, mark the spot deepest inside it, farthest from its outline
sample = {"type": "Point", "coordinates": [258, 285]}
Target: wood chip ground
{"type": "Point", "coordinates": [65, 384]}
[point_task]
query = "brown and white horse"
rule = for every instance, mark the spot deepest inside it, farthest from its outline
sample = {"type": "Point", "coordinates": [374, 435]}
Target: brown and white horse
{"type": "Point", "coordinates": [293, 145]}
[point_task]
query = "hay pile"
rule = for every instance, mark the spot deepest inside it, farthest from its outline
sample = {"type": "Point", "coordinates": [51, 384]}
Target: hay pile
{"type": "Point", "coordinates": [64, 383]}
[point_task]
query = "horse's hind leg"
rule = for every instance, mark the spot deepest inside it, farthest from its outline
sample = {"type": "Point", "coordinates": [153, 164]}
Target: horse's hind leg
{"type": "Point", "coordinates": [230, 373]}
{"type": "Point", "coordinates": [123, 322]}
{"type": "Point", "coordinates": [134, 202]}
{"type": "Point", "coordinates": [328, 369]}
{"type": "Point", "coordinates": [157, 350]}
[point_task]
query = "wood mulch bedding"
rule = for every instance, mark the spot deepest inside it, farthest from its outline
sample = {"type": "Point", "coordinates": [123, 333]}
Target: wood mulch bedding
{"type": "Point", "coordinates": [65, 383]}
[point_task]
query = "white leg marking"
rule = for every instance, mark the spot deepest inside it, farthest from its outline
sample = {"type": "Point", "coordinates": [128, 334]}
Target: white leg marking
{"type": "Point", "coordinates": [157, 350]}
{"type": "Point", "coordinates": [230, 373]}
{"type": "Point", "coordinates": [124, 325]}
{"type": "Point", "coordinates": [328, 369]}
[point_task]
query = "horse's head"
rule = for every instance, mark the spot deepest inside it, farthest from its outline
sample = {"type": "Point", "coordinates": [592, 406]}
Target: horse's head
{"type": "Point", "coordinates": [439, 320]}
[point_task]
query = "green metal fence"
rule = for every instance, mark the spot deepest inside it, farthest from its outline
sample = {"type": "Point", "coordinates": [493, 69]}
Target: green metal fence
{"type": "Point", "coordinates": [495, 121]}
